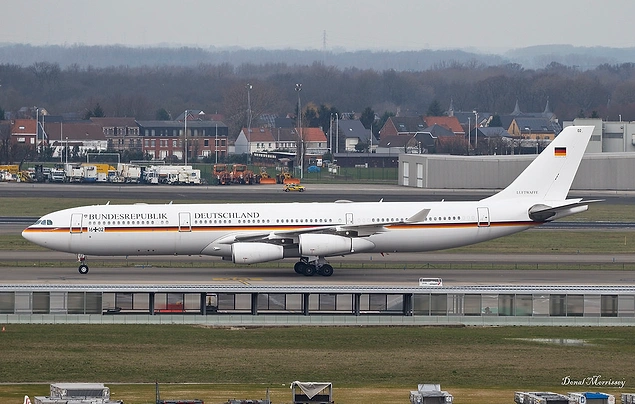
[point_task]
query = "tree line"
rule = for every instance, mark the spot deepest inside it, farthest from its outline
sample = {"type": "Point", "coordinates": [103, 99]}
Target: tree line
{"type": "Point", "coordinates": [157, 92]}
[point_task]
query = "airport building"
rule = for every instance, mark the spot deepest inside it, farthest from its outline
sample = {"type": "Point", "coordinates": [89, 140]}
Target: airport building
{"type": "Point", "coordinates": [608, 164]}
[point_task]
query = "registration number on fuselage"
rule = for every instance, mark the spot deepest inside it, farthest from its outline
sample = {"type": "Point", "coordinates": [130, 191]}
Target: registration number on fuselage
{"type": "Point", "coordinates": [96, 229]}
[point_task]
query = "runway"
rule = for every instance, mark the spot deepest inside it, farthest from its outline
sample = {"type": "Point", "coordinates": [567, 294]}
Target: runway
{"type": "Point", "coordinates": [55, 267]}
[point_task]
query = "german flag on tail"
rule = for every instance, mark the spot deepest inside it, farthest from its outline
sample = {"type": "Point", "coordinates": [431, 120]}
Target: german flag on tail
{"type": "Point", "coordinates": [560, 152]}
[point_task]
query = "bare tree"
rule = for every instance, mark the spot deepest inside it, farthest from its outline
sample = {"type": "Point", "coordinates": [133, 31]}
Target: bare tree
{"type": "Point", "coordinates": [5, 142]}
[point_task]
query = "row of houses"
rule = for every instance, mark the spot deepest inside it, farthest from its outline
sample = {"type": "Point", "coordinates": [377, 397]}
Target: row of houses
{"type": "Point", "coordinates": [158, 140]}
{"type": "Point", "coordinates": [439, 133]}
{"type": "Point", "coordinates": [205, 136]}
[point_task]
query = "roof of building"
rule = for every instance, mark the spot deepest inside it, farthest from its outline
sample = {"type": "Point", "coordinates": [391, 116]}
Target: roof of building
{"type": "Point", "coordinates": [408, 124]}
{"type": "Point", "coordinates": [75, 131]}
{"type": "Point", "coordinates": [355, 129]}
{"type": "Point", "coordinates": [258, 134]}
{"type": "Point", "coordinates": [395, 140]}
{"type": "Point", "coordinates": [23, 126]}
{"type": "Point", "coordinates": [313, 135]}
{"type": "Point", "coordinates": [493, 131]}
{"type": "Point", "coordinates": [449, 122]}
{"type": "Point", "coordinates": [536, 125]}
{"type": "Point", "coordinates": [439, 131]}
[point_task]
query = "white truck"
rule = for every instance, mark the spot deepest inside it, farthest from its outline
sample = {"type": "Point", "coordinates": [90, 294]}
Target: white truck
{"type": "Point", "coordinates": [74, 172]}
{"type": "Point", "coordinates": [57, 174]}
{"type": "Point", "coordinates": [129, 173]}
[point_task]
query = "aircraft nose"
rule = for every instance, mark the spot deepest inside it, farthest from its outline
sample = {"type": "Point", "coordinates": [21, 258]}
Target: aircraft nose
{"type": "Point", "coordinates": [28, 235]}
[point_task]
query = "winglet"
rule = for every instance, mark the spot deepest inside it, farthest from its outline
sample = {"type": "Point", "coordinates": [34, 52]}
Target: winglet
{"type": "Point", "coordinates": [550, 175]}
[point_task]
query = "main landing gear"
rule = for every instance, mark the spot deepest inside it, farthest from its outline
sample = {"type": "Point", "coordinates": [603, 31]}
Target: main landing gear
{"type": "Point", "coordinates": [83, 268]}
{"type": "Point", "coordinates": [309, 268]}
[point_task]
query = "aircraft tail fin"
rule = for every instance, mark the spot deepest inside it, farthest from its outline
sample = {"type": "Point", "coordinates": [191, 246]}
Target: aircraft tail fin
{"type": "Point", "coordinates": [27, 400]}
{"type": "Point", "coordinates": [550, 175]}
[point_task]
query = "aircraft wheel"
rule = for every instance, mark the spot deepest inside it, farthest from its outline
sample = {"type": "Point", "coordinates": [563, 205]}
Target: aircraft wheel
{"type": "Point", "coordinates": [309, 270]}
{"type": "Point", "coordinates": [326, 270]}
{"type": "Point", "coordinates": [298, 267]}
{"type": "Point", "coordinates": [83, 269]}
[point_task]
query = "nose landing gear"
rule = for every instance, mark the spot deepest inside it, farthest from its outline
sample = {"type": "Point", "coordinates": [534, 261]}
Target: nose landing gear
{"type": "Point", "coordinates": [83, 268]}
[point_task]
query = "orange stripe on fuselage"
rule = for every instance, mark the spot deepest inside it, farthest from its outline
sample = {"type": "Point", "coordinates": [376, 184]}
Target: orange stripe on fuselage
{"type": "Point", "coordinates": [274, 228]}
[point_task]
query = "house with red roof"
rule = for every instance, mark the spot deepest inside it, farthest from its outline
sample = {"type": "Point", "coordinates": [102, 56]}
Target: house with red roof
{"type": "Point", "coordinates": [449, 122]}
{"type": "Point", "coordinates": [23, 132]}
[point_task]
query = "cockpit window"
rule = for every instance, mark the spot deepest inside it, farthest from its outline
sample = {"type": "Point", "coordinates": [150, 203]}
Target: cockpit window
{"type": "Point", "coordinates": [44, 222]}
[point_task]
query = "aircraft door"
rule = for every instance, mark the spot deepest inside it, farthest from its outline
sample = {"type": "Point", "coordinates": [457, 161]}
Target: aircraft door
{"type": "Point", "coordinates": [76, 223]}
{"type": "Point", "coordinates": [483, 217]}
{"type": "Point", "coordinates": [185, 224]}
{"type": "Point", "coordinates": [349, 218]}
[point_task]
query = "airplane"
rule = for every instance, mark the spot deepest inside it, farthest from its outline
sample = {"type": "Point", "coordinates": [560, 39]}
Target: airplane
{"type": "Point", "coordinates": [312, 232]}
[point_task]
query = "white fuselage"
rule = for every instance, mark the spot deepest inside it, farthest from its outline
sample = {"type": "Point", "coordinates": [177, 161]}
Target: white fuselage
{"type": "Point", "coordinates": [208, 229]}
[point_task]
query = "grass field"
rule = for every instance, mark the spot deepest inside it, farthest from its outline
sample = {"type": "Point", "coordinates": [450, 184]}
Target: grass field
{"type": "Point", "coordinates": [365, 364]}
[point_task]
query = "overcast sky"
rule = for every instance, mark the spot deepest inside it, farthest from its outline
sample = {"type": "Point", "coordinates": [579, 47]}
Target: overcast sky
{"type": "Point", "coordinates": [491, 25]}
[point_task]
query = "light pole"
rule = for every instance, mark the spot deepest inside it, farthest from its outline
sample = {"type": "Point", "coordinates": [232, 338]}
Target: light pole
{"type": "Point", "coordinates": [469, 134]}
{"type": "Point", "coordinates": [298, 88]}
{"type": "Point", "coordinates": [185, 136]}
{"type": "Point", "coordinates": [249, 87]}
{"type": "Point", "coordinates": [331, 136]}
{"type": "Point", "coordinates": [337, 132]}
{"type": "Point", "coordinates": [216, 143]}
{"type": "Point", "coordinates": [475, 132]}
{"type": "Point", "coordinates": [37, 131]}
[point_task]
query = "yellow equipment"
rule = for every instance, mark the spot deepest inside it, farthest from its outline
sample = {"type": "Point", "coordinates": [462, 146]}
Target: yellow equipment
{"type": "Point", "coordinates": [285, 177]}
{"type": "Point", "coordinates": [265, 178]}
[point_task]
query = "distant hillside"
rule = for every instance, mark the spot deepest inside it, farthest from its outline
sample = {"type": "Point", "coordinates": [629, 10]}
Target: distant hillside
{"type": "Point", "coordinates": [585, 58]}
{"type": "Point", "coordinates": [106, 56]}
{"type": "Point", "coordinates": [535, 57]}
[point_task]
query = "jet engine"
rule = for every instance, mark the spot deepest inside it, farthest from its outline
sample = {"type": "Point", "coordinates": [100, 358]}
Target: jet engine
{"type": "Point", "coordinates": [323, 245]}
{"type": "Point", "coordinates": [252, 253]}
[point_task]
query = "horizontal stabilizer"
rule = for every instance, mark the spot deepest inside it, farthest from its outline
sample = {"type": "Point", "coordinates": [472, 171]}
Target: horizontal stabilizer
{"type": "Point", "coordinates": [544, 213]}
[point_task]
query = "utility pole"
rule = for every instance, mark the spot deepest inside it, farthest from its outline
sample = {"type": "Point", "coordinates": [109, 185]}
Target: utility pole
{"type": "Point", "coordinates": [298, 88]}
{"type": "Point", "coordinates": [249, 87]}
{"type": "Point", "coordinates": [185, 136]}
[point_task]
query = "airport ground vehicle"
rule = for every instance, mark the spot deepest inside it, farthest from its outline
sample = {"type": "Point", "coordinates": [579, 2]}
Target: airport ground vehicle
{"type": "Point", "coordinates": [221, 174]}
{"type": "Point", "coordinates": [294, 187]}
{"type": "Point", "coordinates": [265, 178]}
{"type": "Point", "coordinates": [285, 177]}
{"type": "Point", "coordinates": [241, 175]}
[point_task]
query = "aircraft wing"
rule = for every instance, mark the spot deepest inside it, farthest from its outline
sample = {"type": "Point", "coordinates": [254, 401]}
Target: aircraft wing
{"type": "Point", "coordinates": [546, 213]}
{"type": "Point", "coordinates": [346, 230]}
